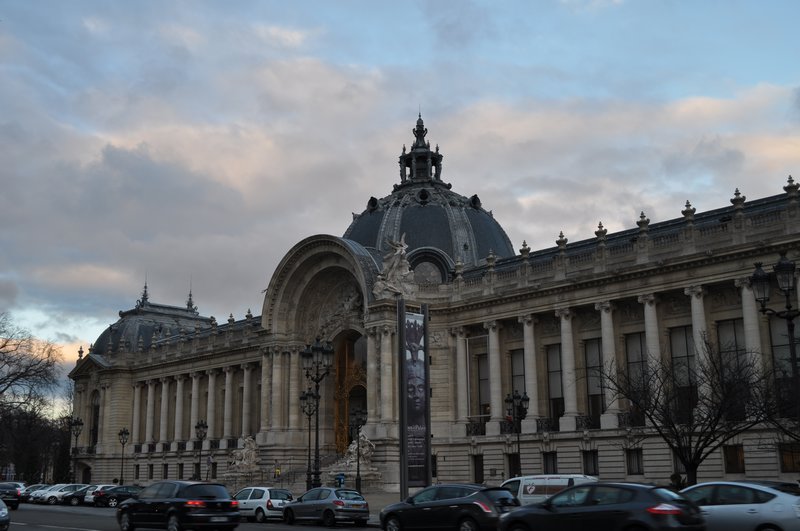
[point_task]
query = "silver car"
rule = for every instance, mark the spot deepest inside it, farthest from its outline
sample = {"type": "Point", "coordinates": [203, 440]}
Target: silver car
{"type": "Point", "coordinates": [262, 503]}
{"type": "Point", "coordinates": [747, 505]}
{"type": "Point", "coordinates": [328, 505]}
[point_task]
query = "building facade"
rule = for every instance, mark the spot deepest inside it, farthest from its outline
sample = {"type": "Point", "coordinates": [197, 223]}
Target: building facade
{"type": "Point", "coordinates": [540, 322]}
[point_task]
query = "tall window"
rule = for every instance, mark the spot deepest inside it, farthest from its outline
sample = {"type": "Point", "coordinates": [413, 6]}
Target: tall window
{"type": "Point", "coordinates": [730, 338]}
{"type": "Point", "coordinates": [483, 384]}
{"type": "Point", "coordinates": [636, 364]}
{"type": "Point", "coordinates": [165, 471]}
{"type": "Point", "coordinates": [550, 462]}
{"type": "Point", "coordinates": [478, 377]}
{"type": "Point", "coordinates": [477, 468]}
{"type": "Point", "coordinates": [734, 458]}
{"type": "Point", "coordinates": [554, 385]}
{"type": "Point", "coordinates": [790, 457]}
{"type": "Point", "coordinates": [591, 463]}
{"type": "Point", "coordinates": [634, 460]}
{"type": "Point", "coordinates": [95, 423]}
{"type": "Point", "coordinates": [682, 349]}
{"type": "Point", "coordinates": [518, 371]}
{"type": "Point", "coordinates": [783, 364]}
{"type": "Point", "coordinates": [594, 380]}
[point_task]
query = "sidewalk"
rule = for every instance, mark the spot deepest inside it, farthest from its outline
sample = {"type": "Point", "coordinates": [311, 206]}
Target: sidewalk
{"type": "Point", "coordinates": [378, 500]}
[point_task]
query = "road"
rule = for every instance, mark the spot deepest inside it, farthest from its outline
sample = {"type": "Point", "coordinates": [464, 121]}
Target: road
{"type": "Point", "coordinates": [49, 518]}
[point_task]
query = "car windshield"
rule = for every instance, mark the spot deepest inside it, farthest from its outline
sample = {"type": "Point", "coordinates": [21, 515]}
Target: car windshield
{"type": "Point", "coordinates": [349, 495]}
{"type": "Point", "coordinates": [669, 495]}
{"type": "Point", "coordinates": [206, 491]}
{"type": "Point", "coordinates": [501, 496]}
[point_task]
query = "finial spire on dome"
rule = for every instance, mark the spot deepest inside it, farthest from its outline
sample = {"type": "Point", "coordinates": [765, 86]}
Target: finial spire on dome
{"type": "Point", "coordinates": [189, 302]}
{"type": "Point", "coordinates": [420, 164]}
{"type": "Point", "coordinates": [143, 300]}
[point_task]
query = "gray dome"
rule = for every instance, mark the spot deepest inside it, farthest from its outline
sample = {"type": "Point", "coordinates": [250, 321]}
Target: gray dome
{"type": "Point", "coordinates": [137, 329]}
{"type": "Point", "coordinates": [440, 226]}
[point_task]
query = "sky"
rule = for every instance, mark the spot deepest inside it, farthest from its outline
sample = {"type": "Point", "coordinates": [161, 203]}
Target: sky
{"type": "Point", "coordinates": [192, 144]}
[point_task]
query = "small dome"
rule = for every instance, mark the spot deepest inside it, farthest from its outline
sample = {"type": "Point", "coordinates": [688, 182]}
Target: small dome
{"type": "Point", "coordinates": [441, 227]}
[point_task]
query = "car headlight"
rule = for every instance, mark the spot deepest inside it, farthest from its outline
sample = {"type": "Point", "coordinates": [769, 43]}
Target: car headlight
{"type": "Point", "coordinates": [4, 511]}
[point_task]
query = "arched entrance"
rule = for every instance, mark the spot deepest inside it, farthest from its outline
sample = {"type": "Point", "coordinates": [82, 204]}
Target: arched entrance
{"type": "Point", "coordinates": [350, 378]}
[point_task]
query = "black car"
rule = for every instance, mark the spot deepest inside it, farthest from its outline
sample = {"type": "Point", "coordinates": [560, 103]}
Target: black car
{"type": "Point", "coordinates": [456, 506]}
{"type": "Point", "coordinates": [610, 507]}
{"type": "Point", "coordinates": [113, 496]}
{"type": "Point", "coordinates": [5, 517]}
{"type": "Point", "coordinates": [176, 505]}
{"type": "Point", "coordinates": [75, 498]}
{"type": "Point", "coordinates": [10, 493]}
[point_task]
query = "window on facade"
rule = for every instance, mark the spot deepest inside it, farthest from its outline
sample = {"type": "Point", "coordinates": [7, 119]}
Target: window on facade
{"type": "Point", "coordinates": [790, 457]}
{"type": "Point", "coordinates": [682, 351]}
{"type": "Point", "coordinates": [734, 458]}
{"type": "Point", "coordinates": [180, 470]}
{"type": "Point", "coordinates": [95, 423]}
{"type": "Point", "coordinates": [483, 384]}
{"type": "Point", "coordinates": [136, 472]}
{"type": "Point", "coordinates": [554, 384]}
{"type": "Point", "coordinates": [478, 376]}
{"type": "Point", "coordinates": [434, 466]}
{"type": "Point", "coordinates": [634, 460]}
{"type": "Point", "coordinates": [591, 463]}
{"type": "Point", "coordinates": [514, 468]}
{"type": "Point", "coordinates": [550, 462]}
{"type": "Point", "coordinates": [518, 371]}
{"type": "Point", "coordinates": [165, 471]}
{"type": "Point", "coordinates": [477, 468]}
{"type": "Point", "coordinates": [214, 470]}
{"type": "Point", "coordinates": [594, 380]}
{"type": "Point", "coordinates": [636, 365]}
{"type": "Point", "coordinates": [730, 338]}
{"type": "Point", "coordinates": [783, 366]}
{"type": "Point", "coordinates": [149, 471]}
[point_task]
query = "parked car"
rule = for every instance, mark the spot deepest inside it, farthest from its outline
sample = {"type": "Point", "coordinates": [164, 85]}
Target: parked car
{"type": "Point", "coordinates": [262, 503]}
{"type": "Point", "coordinates": [39, 495]}
{"type": "Point", "coordinates": [608, 506]}
{"type": "Point", "coordinates": [176, 505]}
{"type": "Point", "coordinates": [10, 494]}
{"type": "Point", "coordinates": [113, 496]}
{"type": "Point", "coordinates": [54, 495]}
{"type": "Point", "coordinates": [456, 506]}
{"type": "Point", "coordinates": [534, 489]}
{"type": "Point", "coordinates": [25, 495]}
{"type": "Point", "coordinates": [328, 505]}
{"type": "Point", "coordinates": [5, 517]}
{"type": "Point", "coordinates": [88, 499]}
{"type": "Point", "coordinates": [747, 505]}
{"type": "Point", "coordinates": [76, 497]}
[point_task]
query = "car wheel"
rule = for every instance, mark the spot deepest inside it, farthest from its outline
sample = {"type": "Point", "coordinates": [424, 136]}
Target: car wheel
{"type": "Point", "coordinates": [112, 502]}
{"type": "Point", "coordinates": [518, 527]}
{"type": "Point", "coordinates": [467, 524]}
{"type": "Point", "coordinates": [392, 524]}
{"type": "Point", "coordinates": [73, 501]}
{"type": "Point", "coordinates": [328, 519]}
{"type": "Point", "coordinates": [288, 517]}
{"type": "Point", "coordinates": [125, 523]}
{"type": "Point", "coordinates": [52, 500]}
{"type": "Point", "coordinates": [173, 524]}
{"type": "Point", "coordinates": [260, 516]}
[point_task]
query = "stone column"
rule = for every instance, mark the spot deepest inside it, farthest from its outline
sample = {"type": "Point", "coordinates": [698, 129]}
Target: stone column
{"type": "Point", "coordinates": [278, 391]}
{"type": "Point", "coordinates": [568, 421]}
{"type": "Point", "coordinates": [461, 382]}
{"type": "Point", "coordinates": [387, 382]}
{"type": "Point", "coordinates": [246, 400]}
{"type": "Point", "coordinates": [372, 377]}
{"type": "Point", "coordinates": [531, 371]}
{"type": "Point", "coordinates": [495, 380]}
{"type": "Point", "coordinates": [211, 406]}
{"type": "Point", "coordinates": [137, 414]}
{"type": "Point", "coordinates": [750, 320]}
{"type": "Point", "coordinates": [651, 331]}
{"type": "Point", "coordinates": [227, 422]}
{"type": "Point", "coordinates": [164, 418]}
{"type": "Point", "coordinates": [151, 412]}
{"type": "Point", "coordinates": [194, 411]}
{"type": "Point", "coordinates": [699, 327]}
{"type": "Point", "coordinates": [609, 419]}
{"type": "Point", "coordinates": [294, 389]}
{"type": "Point", "coordinates": [179, 392]}
{"type": "Point", "coordinates": [104, 412]}
{"type": "Point", "coordinates": [266, 393]}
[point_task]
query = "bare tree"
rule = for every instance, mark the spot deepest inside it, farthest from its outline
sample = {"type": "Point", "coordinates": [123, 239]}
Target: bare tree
{"type": "Point", "coordinates": [28, 366]}
{"type": "Point", "coordinates": [698, 404]}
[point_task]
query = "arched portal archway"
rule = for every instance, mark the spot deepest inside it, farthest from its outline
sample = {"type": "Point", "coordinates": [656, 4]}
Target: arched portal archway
{"type": "Point", "coordinates": [350, 379]}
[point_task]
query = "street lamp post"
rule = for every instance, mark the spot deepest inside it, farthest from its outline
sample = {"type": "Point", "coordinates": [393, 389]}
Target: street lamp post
{"type": "Point", "coordinates": [357, 420]}
{"type": "Point", "coordinates": [317, 360]}
{"type": "Point", "coordinates": [784, 275]}
{"type": "Point", "coordinates": [309, 401]}
{"type": "Point", "coordinates": [517, 410]}
{"type": "Point", "coordinates": [123, 434]}
{"type": "Point", "coordinates": [76, 425]}
{"type": "Point", "coordinates": [200, 432]}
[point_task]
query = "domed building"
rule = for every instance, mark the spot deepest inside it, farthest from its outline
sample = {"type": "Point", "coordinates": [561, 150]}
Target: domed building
{"type": "Point", "coordinates": [542, 324]}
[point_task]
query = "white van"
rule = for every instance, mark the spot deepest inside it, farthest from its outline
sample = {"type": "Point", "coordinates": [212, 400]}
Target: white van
{"type": "Point", "coordinates": [534, 489]}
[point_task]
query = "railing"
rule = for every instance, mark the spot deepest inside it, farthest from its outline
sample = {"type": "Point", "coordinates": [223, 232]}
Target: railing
{"type": "Point", "coordinates": [233, 442]}
{"type": "Point", "coordinates": [546, 425]}
{"type": "Point", "coordinates": [151, 447]}
{"type": "Point", "coordinates": [585, 422]}
{"type": "Point", "coordinates": [213, 444]}
{"type": "Point", "coordinates": [507, 427]}
{"type": "Point", "coordinates": [181, 446]}
{"type": "Point", "coordinates": [476, 426]}
{"type": "Point", "coordinates": [137, 448]}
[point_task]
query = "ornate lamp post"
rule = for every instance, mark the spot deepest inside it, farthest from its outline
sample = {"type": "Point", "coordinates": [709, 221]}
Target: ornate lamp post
{"type": "Point", "coordinates": [784, 274]}
{"type": "Point", "coordinates": [123, 434]}
{"type": "Point", "coordinates": [76, 425]}
{"type": "Point", "coordinates": [358, 418]}
{"type": "Point", "coordinates": [517, 410]}
{"type": "Point", "coordinates": [200, 432]}
{"type": "Point", "coordinates": [317, 360]}
{"type": "Point", "coordinates": [309, 401]}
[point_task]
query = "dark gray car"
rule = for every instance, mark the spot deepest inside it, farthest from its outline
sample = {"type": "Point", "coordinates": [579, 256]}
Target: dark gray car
{"type": "Point", "coordinates": [328, 505]}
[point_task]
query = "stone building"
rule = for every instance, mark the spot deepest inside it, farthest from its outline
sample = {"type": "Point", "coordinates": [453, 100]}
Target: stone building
{"type": "Point", "coordinates": [536, 321]}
